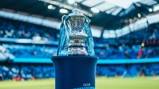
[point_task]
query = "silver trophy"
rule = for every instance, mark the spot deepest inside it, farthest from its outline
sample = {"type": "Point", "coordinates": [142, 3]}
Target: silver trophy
{"type": "Point", "coordinates": [75, 35]}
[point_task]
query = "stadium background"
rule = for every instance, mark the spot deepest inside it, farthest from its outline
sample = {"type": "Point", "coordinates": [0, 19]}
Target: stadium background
{"type": "Point", "coordinates": [126, 37]}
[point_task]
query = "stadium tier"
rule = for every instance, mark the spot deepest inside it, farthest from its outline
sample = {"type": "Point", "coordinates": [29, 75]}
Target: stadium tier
{"type": "Point", "coordinates": [25, 71]}
{"type": "Point", "coordinates": [31, 34]}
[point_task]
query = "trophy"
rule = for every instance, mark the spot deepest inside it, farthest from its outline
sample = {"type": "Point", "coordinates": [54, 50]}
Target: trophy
{"type": "Point", "coordinates": [75, 62]}
{"type": "Point", "coordinates": [75, 35]}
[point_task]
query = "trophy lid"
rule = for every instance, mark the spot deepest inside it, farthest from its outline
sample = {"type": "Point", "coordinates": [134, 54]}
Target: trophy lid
{"type": "Point", "coordinates": [77, 13]}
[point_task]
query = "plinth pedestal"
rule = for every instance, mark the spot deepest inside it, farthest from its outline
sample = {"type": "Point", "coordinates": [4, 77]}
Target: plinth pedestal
{"type": "Point", "coordinates": [75, 72]}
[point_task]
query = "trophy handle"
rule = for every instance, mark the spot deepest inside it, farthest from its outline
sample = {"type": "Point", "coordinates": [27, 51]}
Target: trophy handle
{"type": "Point", "coordinates": [90, 41]}
{"type": "Point", "coordinates": [60, 40]}
{"type": "Point", "coordinates": [63, 35]}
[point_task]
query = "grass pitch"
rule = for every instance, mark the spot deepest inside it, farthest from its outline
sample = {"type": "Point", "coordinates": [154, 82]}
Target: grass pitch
{"type": "Point", "coordinates": [101, 83]}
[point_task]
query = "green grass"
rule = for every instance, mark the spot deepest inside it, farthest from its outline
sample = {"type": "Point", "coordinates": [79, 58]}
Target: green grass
{"type": "Point", "coordinates": [101, 83]}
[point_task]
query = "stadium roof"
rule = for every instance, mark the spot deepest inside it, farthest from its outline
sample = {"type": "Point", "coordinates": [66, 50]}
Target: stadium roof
{"type": "Point", "coordinates": [108, 14]}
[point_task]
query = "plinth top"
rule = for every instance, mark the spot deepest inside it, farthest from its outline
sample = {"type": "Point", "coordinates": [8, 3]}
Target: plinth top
{"type": "Point", "coordinates": [74, 57]}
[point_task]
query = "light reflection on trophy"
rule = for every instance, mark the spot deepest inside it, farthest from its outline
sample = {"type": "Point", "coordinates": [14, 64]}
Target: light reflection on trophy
{"type": "Point", "coordinates": [75, 35]}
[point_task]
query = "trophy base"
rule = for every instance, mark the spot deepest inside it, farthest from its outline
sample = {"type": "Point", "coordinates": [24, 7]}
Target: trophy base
{"type": "Point", "coordinates": [75, 72]}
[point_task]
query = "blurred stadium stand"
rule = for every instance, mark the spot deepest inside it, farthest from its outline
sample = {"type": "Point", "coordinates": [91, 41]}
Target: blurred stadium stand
{"type": "Point", "coordinates": [126, 38]}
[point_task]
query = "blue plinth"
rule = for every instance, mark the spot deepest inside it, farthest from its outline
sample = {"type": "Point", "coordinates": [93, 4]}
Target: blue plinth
{"type": "Point", "coordinates": [75, 72]}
